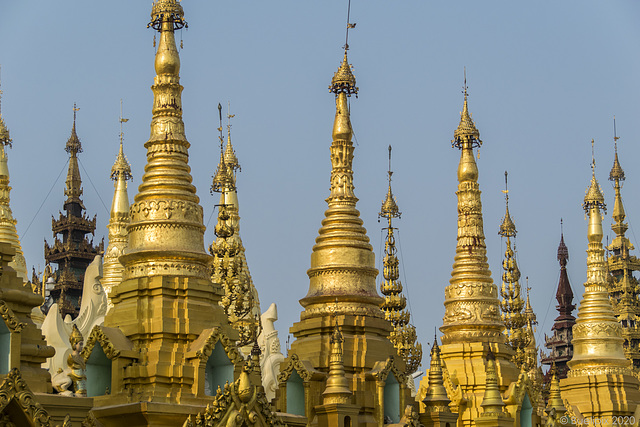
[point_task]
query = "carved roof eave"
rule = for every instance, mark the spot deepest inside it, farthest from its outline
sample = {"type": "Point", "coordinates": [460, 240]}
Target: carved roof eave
{"type": "Point", "coordinates": [10, 319]}
{"type": "Point", "coordinates": [304, 368]}
{"type": "Point", "coordinates": [203, 346]}
{"type": "Point", "coordinates": [113, 342]}
{"type": "Point", "coordinates": [516, 391]}
{"type": "Point", "coordinates": [14, 387]}
{"type": "Point", "coordinates": [381, 371]}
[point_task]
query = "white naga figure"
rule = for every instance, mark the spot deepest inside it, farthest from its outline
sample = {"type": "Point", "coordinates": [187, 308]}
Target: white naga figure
{"type": "Point", "coordinates": [57, 331]}
{"type": "Point", "coordinates": [271, 356]}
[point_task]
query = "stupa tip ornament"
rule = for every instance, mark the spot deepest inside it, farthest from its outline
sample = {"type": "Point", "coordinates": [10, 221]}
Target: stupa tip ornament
{"type": "Point", "coordinates": [343, 80]}
{"type": "Point", "coordinates": [563, 251]}
{"type": "Point", "coordinates": [466, 131]}
{"type": "Point", "coordinates": [73, 143]}
{"type": "Point", "coordinates": [507, 228]}
{"type": "Point", "coordinates": [5, 139]}
{"type": "Point", "coordinates": [167, 8]}
{"type": "Point", "coordinates": [616, 174]}
{"type": "Point", "coordinates": [121, 167]}
{"type": "Point", "coordinates": [594, 196]}
{"type": "Point", "coordinates": [389, 207]}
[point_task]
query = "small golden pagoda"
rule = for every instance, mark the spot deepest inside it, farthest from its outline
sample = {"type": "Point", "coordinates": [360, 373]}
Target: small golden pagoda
{"type": "Point", "coordinates": [436, 402]}
{"type": "Point", "coordinates": [343, 288]}
{"type": "Point", "coordinates": [230, 269]}
{"type": "Point", "coordinates": [118, 221]}
{"type": "Point", "coordinates": [404, 334]}
{"type": "Point", "coordinates": [8, 233]}
{"type": "Point", "coordinates": [600, 382]}
{"type": "Point", "coordinates": [166, 345]}
{"type": "Point", "coordinates": [472, 325]}
{"type": "Point", "coordinates": [512, 304]}
{"type": "Point", "coordinates": [623, 287]}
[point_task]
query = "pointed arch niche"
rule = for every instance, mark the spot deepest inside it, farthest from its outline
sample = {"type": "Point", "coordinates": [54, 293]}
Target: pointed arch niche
{"type": "Point", "coordinates": [216, 361]}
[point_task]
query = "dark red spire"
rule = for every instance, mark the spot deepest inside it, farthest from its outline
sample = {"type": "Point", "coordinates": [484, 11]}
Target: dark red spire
{"type": "Point", "coordinates": [564, 294]}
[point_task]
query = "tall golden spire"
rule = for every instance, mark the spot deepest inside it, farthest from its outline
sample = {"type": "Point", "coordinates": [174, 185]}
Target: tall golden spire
{"type": "Point", "coordinates": [118, 219]}
{"type": "Point", "coordinates": [167, 273]}
{"type": "Point", "coordinates": [342, 246]}
{"type": "Point", "coordinates": [8, 232]}
{"type": "Point", "coordinates": [598, 362]}
{"type": "Point", "coordinates": [436, 399]}
{"type": "Point", "coordinates": [623, 288]}
{"type": "Point", "coordinates": [512, 304]}
{"type": "Point", "coordinates": [471, 300]}
{"type": "Point", "coordinates": [404, 334]}
{"type": "Point", "coordinates": [597, 339]}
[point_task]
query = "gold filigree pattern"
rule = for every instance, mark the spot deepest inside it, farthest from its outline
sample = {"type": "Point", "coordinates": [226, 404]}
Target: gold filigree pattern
{"type": "Point", "coordinates": [229, 347]}
{"type": "Point", "coordinates": [98, 336]}
{"type": "Point", "coordinates": [15, 388]}
{"type": "Point", "coordinates": [10, 319]}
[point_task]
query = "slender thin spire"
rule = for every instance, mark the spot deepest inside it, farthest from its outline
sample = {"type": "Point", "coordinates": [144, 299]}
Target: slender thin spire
{"type": "Point", "coordinates": [512, 304]}
{"type": "Point", "coordinates": [8, 233]}
{"type": "Point", "coordinates": [5, 138]}
{"type": "Point", "coordinates": [229, 153]}
{"type": "Point", "coordinates": [337, 388]}
{"type": "Point", "coordinates": [118, 219]}
{"type": "Point", "coordinates": [564, 293]}
{"type": "Point", "coordinates": [404, 335]}
{"type": "Point", "coordinates": [436, 399]}
{"type": "Point", "coordinates": [471, 303]}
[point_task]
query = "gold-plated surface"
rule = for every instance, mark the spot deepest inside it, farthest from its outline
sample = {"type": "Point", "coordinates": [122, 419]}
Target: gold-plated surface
{"type": "Point", "coordinates": [8, 233]}
{"type": "Point", "coordinates": [472, 325]}
{"type": "Point", "coordinates": [471, 300]}
{"type": "Point", "coordinates": [512, 303]}
{"type": "Point", "coordinates": [623, 287]}
{"type": "Point", "coordinates": [597, 336]}
{"type": "Point", "coordinates": [600, 381]}
{"type": "Point", "coordinates": [166, 306]}
{"type": "Point", "coordinates": [337, 388]}
{"type": "Point", "coordinates": [404, 336]}
{"type": "Point", "coordinates": [230, 269]}
{"type": "Point", "coordinates": [118, 221]}
{"type": "Point", "coordinates": [342, 290]}
{"type": "Point", "coordinates": [436, 399]}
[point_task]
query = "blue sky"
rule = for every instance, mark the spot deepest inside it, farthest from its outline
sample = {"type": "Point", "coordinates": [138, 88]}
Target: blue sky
{"type": "Point", "coordinates": [544, 79]}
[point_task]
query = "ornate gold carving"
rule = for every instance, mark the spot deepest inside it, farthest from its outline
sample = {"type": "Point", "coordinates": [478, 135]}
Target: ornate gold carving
{"type": "Point", "coordinates": [344, 308]}
{"type": "Point", "coordinates": [229, 347]}
{"type": "Point", "coordinates": [238, 404]}
{"type": "Point", "coordinates": [593, 330]}
{"type": "Point", "coordinates": [10, 318]}
{"type": "Point", "coordinates": [98, 336]}
{"type": "Point", "coordinates": [166, 268]}
{"type": "Point", "coordinates": [15, 388]}
{"type": "Point", "coordinates": [294, 363]}
{"type": "Point", "coordinates": [166, 209]}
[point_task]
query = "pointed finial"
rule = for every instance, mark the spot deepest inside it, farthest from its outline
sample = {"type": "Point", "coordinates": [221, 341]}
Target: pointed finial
{"type": "Point", "coordinates": [122, 120]}
{"type": "Point", "coordinates": [73, 144]}
{"type": "Point", "coordinates": [222, 180]}
{"type": "Point", "coordinates": [167, 10]}
{"type": "Point", "coordinates": [594, 196]}
{"type": "Point", "coordinates": [464, 87]}
{"type": "Point", "coordinates": [563, 252]}
{"type": "Point", "coordinates": [5, 139]}
{"type": "Point", "coordinates": [617, 173]}
{"type": "Point", "coordinates": [121, 167]}
{"type": "Point", "coordinates": [466, 131]}
{"type": "Point", "coordinates": [229, 155]}
{"type": "Point", "coordinates": [507, 228]}
{"type": "Point", "coordinates": [349, 26]}
{"type": "Point", "coordinates": [389, 206]}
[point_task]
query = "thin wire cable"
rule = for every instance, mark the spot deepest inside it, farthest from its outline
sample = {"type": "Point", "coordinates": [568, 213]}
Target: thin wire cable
{"type": "Point", "coordinates": [45, 199]}
{"type": "Point", "coordinates": [544, 319]}
{"type": "Point", "coordinates": [94, 187]}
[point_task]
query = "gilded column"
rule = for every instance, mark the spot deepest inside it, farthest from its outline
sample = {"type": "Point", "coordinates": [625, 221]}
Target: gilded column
{"type": "Point", "coordinates": [118, 221]}
{"type": "Point", "coordinates": [600, 382]}
{"type": "Point", "coordinates": [623, 288]}
{"type": "Point", "coordinates": [8, 233]}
